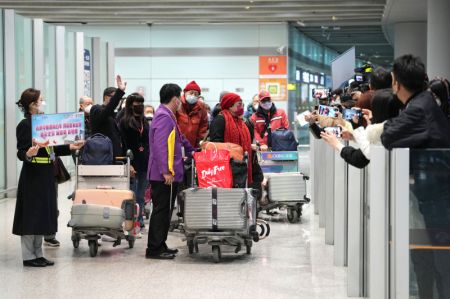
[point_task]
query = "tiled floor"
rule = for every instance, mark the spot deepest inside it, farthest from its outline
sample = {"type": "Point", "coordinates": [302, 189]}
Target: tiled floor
{"type": "Point", "coordinates": [293, 262]}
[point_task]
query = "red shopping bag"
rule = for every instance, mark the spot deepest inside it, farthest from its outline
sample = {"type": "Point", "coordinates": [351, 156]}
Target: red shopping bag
{"type": "Point", "coordinates": [213, 169]}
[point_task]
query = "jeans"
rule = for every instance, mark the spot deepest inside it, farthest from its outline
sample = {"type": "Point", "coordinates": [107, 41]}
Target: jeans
{"type": "Point", "coordinates": [139, 185]}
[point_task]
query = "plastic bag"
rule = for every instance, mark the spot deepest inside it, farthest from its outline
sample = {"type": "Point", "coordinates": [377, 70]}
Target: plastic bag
{"type": "Point", "coordinates": [213, 169]}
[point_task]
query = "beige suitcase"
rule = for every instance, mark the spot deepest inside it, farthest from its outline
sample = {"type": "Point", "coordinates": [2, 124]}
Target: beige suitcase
{"type": "Point", "coordinates": [103, 197]}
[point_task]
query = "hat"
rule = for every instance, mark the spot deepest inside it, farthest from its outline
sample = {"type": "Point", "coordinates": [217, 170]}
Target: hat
{"type": "Point", "coordinates": [263, 94]}
{"type": "Point", "coordinates": [228, 100]}
{"type": "Point", "coordinates": [192, 86]}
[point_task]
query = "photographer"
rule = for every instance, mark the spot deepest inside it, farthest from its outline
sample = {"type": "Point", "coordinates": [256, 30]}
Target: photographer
{"type": "Point", "coordinates": [384, 107]}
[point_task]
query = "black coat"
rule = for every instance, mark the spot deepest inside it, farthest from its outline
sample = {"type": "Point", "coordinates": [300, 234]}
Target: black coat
{"type": "Point", "coordinates": [354, 157]}
{"type": "Point", "coordinates": [421, 125]}
{"type": "Point", "coordinates": [103, 121]}
{"type": "Point", "coordinates": [217, 134]}
{"type": "Point", "coordinates": [36, 208]}
{"type": "Point", "coordinates": [134, 140]}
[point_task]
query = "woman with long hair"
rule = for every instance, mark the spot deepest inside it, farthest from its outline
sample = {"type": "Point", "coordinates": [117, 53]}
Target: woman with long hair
{"type": "Point", "coordinates": [134, 129]}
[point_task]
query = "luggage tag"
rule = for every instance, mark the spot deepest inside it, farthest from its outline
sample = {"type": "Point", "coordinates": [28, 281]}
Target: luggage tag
{"type": "Point", "coordinates": [52, 154]}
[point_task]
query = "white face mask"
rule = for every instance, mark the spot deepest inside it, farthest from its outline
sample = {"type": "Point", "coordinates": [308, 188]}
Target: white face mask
{"type": "Point", "coordinates": [149, 115]}
{"type": "Point", "coordinates": [266, 105]}
{"type": "Point", "coordinates": [191, 99]}
{"type": "Point", "coordinates": [41, 106]}
{"type": "Point", "coordinates": [87, 109]}
{"type": "Point", "coordinates": [255, 107]}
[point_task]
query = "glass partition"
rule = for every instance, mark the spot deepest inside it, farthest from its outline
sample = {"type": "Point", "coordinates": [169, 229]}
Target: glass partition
{"type": "Point", "coordinates": [429, 223]}
{"type": "Point", "coordinates": [49, 91]}
{"type": "Point", "coordinates": [2, 108]}
{"type": "Point", "coordinates": [24, 62]}
{"type": "Point", "coordinates": [71, 100]}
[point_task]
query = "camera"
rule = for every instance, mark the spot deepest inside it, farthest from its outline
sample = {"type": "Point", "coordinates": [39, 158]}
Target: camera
{"type": "Point", "coordinates": [321, 93]}
{"type": "Point", "coordinates": [337, 131]}
{"type": "Point", "coordinates": [328, 111]}
{"type": "Point", "coordinates": [349, 113]}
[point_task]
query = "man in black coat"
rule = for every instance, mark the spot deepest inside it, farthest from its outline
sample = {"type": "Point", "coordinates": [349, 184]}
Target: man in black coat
{"type": "Point", "coordinates": [102, 117]}
{"type": "Point", "coordinates": [421, 124]}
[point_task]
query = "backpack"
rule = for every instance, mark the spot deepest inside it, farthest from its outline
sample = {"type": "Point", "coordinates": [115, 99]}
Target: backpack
{"type": "Point", "coordinates": [97, 150]}
{"type": "Point", "coordinates": [283, 140]}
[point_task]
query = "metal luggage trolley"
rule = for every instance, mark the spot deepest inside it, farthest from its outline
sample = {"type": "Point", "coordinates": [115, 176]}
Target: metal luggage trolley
{"type": "Point", "coordinates": [286, 182]}
{"type": "Point", "coordinates": [94, 179]}
{"type": "Point", "coordinates": [219, 216]}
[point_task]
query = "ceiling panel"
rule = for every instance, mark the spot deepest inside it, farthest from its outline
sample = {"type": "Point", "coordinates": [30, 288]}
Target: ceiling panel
{"type": "Point", "coordinates": [359, 21]}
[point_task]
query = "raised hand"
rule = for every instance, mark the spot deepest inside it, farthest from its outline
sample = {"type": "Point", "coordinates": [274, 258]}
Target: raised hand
{"type": "Point", "coordinates": [33, 151]}
{"type": "Point", "coordinates": [120, 84]}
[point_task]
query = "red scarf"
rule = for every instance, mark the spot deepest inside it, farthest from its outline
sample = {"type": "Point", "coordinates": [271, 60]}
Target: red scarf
{"type": "Point", "coordinates": [236, 132]}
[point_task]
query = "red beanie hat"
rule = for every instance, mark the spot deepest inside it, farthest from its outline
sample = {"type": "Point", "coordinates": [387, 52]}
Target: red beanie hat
{"type": "Point", "coordinates": [192, 86]}
{"type": "Point", "coordinates": [228, 100]}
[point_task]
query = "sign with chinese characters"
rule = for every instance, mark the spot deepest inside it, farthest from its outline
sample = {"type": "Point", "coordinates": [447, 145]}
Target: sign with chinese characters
{"type": "Point", "coordinates": [272, 65]}
{"type": "Point", "coordinates": [57, 129]}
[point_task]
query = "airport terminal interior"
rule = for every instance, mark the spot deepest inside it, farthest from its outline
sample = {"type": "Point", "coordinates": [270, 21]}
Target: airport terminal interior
{"type": "Point", "coordinates": [225, 149]}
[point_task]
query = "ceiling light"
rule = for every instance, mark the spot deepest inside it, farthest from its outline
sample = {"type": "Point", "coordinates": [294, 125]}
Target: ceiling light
{"type": "Point", "coordinates": [301, 24]}
{"type": "Point", "coordinates": [252, 1]}
{"type": "Point", "coordinates": [247, 7]}
{"type": "Point", "coordinates": [334, 18]}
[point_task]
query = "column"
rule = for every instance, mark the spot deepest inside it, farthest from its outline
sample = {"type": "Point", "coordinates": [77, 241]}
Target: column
{"type": "Point", "coordinates": [411, 38]}
{"type": "Point", "coordinates": [438, 42]}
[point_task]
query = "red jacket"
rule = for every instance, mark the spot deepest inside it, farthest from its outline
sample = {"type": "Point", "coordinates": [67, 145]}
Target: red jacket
{"type": "Point", "coordinates": [278, 119]}
{"type": "Point", "coordinates": [193, 121]}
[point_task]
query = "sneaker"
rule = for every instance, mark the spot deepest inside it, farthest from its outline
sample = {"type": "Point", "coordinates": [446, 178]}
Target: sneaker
{"type": "Point", "coordinates": [51, 242]}
{"type": "Point", "coordinates": [138, 235]}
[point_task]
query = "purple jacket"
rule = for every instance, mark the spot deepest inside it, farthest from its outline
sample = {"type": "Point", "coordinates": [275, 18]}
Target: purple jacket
{"type": "Point", "coordinates": [162, 125]}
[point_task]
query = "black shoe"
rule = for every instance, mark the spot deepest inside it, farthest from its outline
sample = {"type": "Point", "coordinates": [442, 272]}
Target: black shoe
{"type": "Point", "coordinates": [46, 261]}
{"type": "Point", "coordinates": [34, 263]}
{"type": "Point", "coordinates": [171, 251]}
{"type": "Point", "coordinates": [161, 256]}
{"type": "Point", "coordinates": [51, 242]}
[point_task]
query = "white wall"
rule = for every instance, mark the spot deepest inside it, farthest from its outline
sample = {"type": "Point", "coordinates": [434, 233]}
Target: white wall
{"type": "Point", "coordinates": [215, 73]}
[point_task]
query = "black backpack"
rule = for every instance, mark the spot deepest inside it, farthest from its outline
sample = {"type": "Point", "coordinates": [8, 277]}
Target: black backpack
{"type": "Point", "coordinates": [98, 150]}
{"type": "Point", "coordinates": [283, 140]}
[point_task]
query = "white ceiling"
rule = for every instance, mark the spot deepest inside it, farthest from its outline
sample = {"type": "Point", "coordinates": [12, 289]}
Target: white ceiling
{"type": "Point", "coordinates": [311, 12]}
{"type": "Point", "coordinates": [359, 21]}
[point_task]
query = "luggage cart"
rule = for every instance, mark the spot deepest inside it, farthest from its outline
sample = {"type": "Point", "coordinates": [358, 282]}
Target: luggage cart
{"type": "Point", "coordinates": [219, 216]}
{"type": "Point", "coordinates": [107, 187]}
{"type": "Point", "coordinates": [286, 182]}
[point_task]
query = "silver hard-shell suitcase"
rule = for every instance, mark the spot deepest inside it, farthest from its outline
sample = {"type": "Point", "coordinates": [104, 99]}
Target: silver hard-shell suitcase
{"type": "Point", "coordinates": [231, 210]}
{"type": "Point", "coordinates": [287, 187]}
{"type": "Point", "coordinates": [90, 215]}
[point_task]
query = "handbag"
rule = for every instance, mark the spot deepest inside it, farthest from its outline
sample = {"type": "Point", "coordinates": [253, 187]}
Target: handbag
{"type": "Point", "coordinates": [213, 169]}
{"type": "Point", "coordinates": [61, 173]}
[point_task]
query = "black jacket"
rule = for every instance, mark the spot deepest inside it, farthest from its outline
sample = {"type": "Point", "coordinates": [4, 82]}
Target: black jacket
{"type": "Point", "coordinates": [103, 121]}
{"type": "Point", "coordinates": [354, 157]}
{"type": "Point", "coordinates": [36, 208]}
{"type": "Point", "coordinates": [138, 143]}
{"type": "Point", "coordinates": [217, 134]}
{"type": "Point", "coordinates": [421, 125]}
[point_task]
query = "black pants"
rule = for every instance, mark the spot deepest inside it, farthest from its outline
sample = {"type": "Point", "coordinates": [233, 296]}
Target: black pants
{"type": "Point", "coordinates": [163, 198]}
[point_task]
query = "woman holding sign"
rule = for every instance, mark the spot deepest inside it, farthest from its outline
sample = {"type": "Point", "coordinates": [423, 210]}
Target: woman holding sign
{"type": "Point", "coordinates": [36, 207]}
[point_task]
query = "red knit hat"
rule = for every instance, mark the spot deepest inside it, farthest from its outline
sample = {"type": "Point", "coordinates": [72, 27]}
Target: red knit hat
{"type": "Point", "coordinates": [192, 86]}
{"type": "Point", "coordinates": [229, 99]}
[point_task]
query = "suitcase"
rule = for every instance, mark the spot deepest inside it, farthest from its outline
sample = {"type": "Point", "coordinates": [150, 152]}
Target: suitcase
{"type": "Point", "coordinates": [216, 209]}
{"type": "Point", "coordinates": [104, 197]}
{"type": "Point", "coordinates": [287, 187]}
{"type": "Point", "coordinates": [96, 216]}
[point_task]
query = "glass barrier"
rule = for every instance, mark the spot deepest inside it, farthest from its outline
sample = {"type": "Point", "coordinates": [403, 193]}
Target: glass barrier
{"type": "Point", "coordinates": [429, 223]}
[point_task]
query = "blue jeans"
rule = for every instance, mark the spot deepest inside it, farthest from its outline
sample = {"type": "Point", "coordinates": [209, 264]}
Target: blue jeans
{"type": "Point", "coordinates": [139, 184]}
